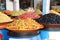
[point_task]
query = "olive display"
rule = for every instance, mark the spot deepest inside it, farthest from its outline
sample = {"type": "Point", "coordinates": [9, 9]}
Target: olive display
{"type": "Point", "coordinates": [49, 19]}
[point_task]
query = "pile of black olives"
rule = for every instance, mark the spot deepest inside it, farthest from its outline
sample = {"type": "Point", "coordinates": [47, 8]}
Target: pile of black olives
{"type": "Point", "coordinates": [49, 19]}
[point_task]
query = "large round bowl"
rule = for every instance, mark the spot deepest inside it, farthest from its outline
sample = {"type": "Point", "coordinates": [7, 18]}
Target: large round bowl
{"type": "Point", "coordinates": [4, 25]}
{"type": "Point", "coordinates": [52, 25]}
{"type": "Point", "coordinates": [31, 30]}
{"type": "Point", "coordinates": [23, 34]}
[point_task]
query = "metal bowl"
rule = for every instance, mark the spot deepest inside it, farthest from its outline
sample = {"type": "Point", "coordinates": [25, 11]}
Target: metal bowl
{"type": "Point", "coordinates": [31, 30]}
{"type": "Point", "coordinates": [23, 34]}
{"type": "Point", "coordinates": [52, 25]}
{"type": "Point", "coordinates": [3, 25]}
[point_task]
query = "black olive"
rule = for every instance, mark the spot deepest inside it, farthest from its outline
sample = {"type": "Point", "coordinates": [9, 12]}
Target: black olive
{"type": "Point", "coordinates": [49, 19]}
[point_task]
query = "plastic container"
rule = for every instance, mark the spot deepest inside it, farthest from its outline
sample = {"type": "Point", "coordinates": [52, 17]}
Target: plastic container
{"type": "Point", "coordinates": [49, 28]}
{"type": "Point", "coordinates": [44, 34]}
{"type": "Point", "coordinates": [37, 37]}
{"type": "Point", "coordinates": [50, 33]}
{"type": "Point", "coordinates": [4, 32]}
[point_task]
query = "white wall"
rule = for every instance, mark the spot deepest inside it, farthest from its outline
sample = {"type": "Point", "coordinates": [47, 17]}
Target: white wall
{"type": "Point", "coordinates": [9, 5]}
{"type": "Point", "coordinates": [12, 5]}
{"type": "Point", "coordinates": [16, 5]}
